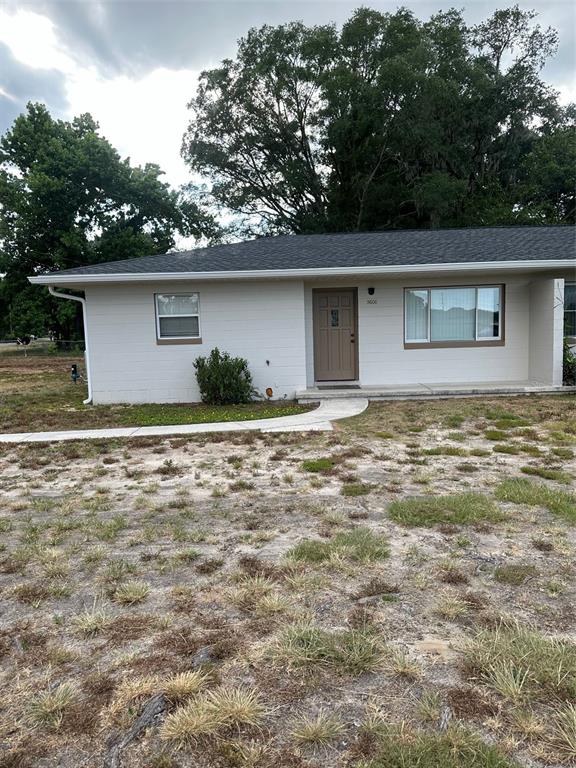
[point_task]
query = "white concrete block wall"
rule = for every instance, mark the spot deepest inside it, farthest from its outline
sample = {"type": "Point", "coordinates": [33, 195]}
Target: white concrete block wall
{"type": "Point", "coordinates": [384, 361]}
{"type": "Point", "coordinates": [272, 321]}
{"type": "Point", "coordinates": [259, 320]}
{"type": "Point", "coordinates": [546, 330]}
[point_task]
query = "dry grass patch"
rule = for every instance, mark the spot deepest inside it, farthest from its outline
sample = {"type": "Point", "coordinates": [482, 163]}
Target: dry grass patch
{"type": "Point", "coordinates": [213, 712]}
{"type": "Point", "coordinates": [92, 621]}
{"type": "Point", "coordinates": [132, 692]}
{"type": "Point", "coordinates": [47, 709]}
{"type": "Point", "coordinates": [316, 730]}
{"type": "Point", "coordinates": [564, 732]}
{"type": "Point", "coordinates": [132, 592]}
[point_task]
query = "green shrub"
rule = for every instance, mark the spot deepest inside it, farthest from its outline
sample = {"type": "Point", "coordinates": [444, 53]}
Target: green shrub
{"type": "Point", "coordinates": [569, 366]}
{"type": "Point", "coordinates": [224, 380]}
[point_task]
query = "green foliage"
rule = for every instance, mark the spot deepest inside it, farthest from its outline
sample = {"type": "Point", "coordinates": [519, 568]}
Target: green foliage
{"type": "Point", "coordinates": [390, 122]}
{"type": "Point", "coordinates": [68, 199]}
{"type": "Point", "coordinates": [569, 366]}
{"type": "Point", "coordinates": [224, 380]}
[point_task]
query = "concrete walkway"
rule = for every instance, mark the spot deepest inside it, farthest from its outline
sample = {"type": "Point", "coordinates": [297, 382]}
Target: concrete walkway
{"type": "Point", "coordinates": [317, 420]}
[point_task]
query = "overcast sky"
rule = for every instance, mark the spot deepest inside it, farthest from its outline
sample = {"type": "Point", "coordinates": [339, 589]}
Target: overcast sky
{"type": "Point", "coordinates": [134, 65]}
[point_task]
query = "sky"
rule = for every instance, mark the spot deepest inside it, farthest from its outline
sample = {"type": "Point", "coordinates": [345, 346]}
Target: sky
{"type": "Point", "coordinates": [134, 64]}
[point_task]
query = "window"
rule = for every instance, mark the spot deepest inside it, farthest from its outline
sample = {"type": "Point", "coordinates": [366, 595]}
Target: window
{"type": "Point", "coordinates": [177, 316]}
{"type": "Point", "coordinates": [570, 309]}
{"type": "Point", "coordinates": [458, 315]}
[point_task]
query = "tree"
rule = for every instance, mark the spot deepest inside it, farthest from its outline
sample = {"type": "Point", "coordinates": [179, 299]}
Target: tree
{"type": "Point", "coordinates": [67, 199]}
{"type": "Point", "coordinates": [547, 177]}
{"type": "Point", "coordinates": [389, 122]}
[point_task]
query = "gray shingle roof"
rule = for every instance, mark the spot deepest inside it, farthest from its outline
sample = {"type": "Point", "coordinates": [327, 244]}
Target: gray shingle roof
{"type": "Point", "coordinates": [363, 249]}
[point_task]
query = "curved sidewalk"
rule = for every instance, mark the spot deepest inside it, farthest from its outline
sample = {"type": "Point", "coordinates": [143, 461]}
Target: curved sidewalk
{"type": "Point", "coordinates": [317, 420]}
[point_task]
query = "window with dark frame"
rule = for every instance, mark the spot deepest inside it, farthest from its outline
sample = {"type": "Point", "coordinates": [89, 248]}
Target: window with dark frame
{"type": "Point", "coordinates": [570, 309]}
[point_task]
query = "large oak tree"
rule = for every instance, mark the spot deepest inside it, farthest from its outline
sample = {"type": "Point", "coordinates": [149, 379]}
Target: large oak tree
{"type": "Point", "coordinates": [68, 199]}
{"type": "Point", "coordinates": [389, 122]}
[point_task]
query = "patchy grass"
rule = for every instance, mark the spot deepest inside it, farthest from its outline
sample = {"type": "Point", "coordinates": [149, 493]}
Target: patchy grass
{"type": "Point", "coordinates": [458, 509]}
{"type": "Point", "coordinates": [548, 474]}
{"type": "Point", "coordinates": [323, 465]}
{"type": "Point", "coordinates": [38, 395]}
{"type": "Point", "coordinates": [524, 491]}
{"type": "Point", "coordinates": [446, 450]}
{"type": "Point", "coordinates": [359, 545]}
{"type": "Point", "coordinates": [409, 748]}
{"type": "Point", "coordinates": [350, 651]}
{"type": "Point", "coordinates": [531, 664]}
{"type": "Point", "coordinates": [212, 713]}
{"type": "Point", "coordinates": [361, 631]}
{"type": "Point", "coordinates": [317, 730]}
{"type": "Point", "coordinates": [356, 489]}
{"type": "Point", "coordinates": [514, 575]}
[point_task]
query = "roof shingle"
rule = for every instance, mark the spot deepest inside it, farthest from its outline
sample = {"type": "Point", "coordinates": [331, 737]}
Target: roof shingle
{"type": "Point", "coordinates": [363, 249]}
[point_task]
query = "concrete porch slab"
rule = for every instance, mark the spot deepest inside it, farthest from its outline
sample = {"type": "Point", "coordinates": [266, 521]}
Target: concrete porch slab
{"type": "Point", "coordinates": [432, 390]}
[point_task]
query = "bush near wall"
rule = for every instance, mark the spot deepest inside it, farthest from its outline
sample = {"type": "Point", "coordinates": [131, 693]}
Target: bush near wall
{"type": "Point", "coordinates": [224, 380]}
{"type": "Point", "coordinates": [569, 366]}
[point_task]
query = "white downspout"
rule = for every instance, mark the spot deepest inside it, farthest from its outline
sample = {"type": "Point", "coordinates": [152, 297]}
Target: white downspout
{"type": "Point", "coordinates": [86, 350]}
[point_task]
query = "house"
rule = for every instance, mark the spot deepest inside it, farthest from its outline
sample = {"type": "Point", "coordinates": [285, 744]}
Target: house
{"type": "Point", "coordinates": [465, 310]}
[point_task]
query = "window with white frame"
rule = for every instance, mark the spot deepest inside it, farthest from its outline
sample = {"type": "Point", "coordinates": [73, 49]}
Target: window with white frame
{"type": "Point", "coordinates": [177, 316]}
{"type": "Point", "coordinates": [453, 315]}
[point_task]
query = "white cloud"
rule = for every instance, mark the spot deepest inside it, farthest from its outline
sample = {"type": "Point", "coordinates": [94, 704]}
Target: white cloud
{"type": "Point", "coordinates": [32, 40]}
{"type": "Point", "coordinates": [566, 93]}
{"type": "Point", "coordinates": [143, 118]}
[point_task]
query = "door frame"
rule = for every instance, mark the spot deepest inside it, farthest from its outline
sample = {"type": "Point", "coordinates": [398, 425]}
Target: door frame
{"type": "Point", "coordinates": [343, 288]}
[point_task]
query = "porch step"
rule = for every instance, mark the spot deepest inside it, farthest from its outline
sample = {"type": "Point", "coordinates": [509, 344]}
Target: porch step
{"type": "Point", "coordinates": [432, 391]}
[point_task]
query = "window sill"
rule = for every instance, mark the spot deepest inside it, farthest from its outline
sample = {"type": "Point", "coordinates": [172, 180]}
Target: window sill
{"type": "Point", "coordinates": [453, 344]}
{"type": "Point", "coordinates": [162, 342]}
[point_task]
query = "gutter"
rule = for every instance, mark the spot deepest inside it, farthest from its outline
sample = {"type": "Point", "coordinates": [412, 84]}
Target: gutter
{"type": "Point", "coordinates": [248, 274]}
{"type": "Point", "coordinates": [82, 301]}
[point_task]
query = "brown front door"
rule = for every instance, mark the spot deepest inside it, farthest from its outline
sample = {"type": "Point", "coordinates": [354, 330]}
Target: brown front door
{"type": "Point", "coordinates": [335, 335]}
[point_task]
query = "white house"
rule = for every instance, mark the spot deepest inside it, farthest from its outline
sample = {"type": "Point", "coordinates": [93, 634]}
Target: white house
{"type": "Point", "coordinates": [389, 312]}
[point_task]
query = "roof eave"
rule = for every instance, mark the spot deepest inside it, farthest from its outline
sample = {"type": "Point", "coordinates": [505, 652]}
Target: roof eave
{"type": "Point", "coordinates": [257, 274]}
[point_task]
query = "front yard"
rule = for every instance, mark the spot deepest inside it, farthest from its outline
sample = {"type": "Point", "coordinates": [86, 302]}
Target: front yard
{"type": "Point", "coordinates": [37, 394]}
{"type": "Point", "coordinates": [396, 594]}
